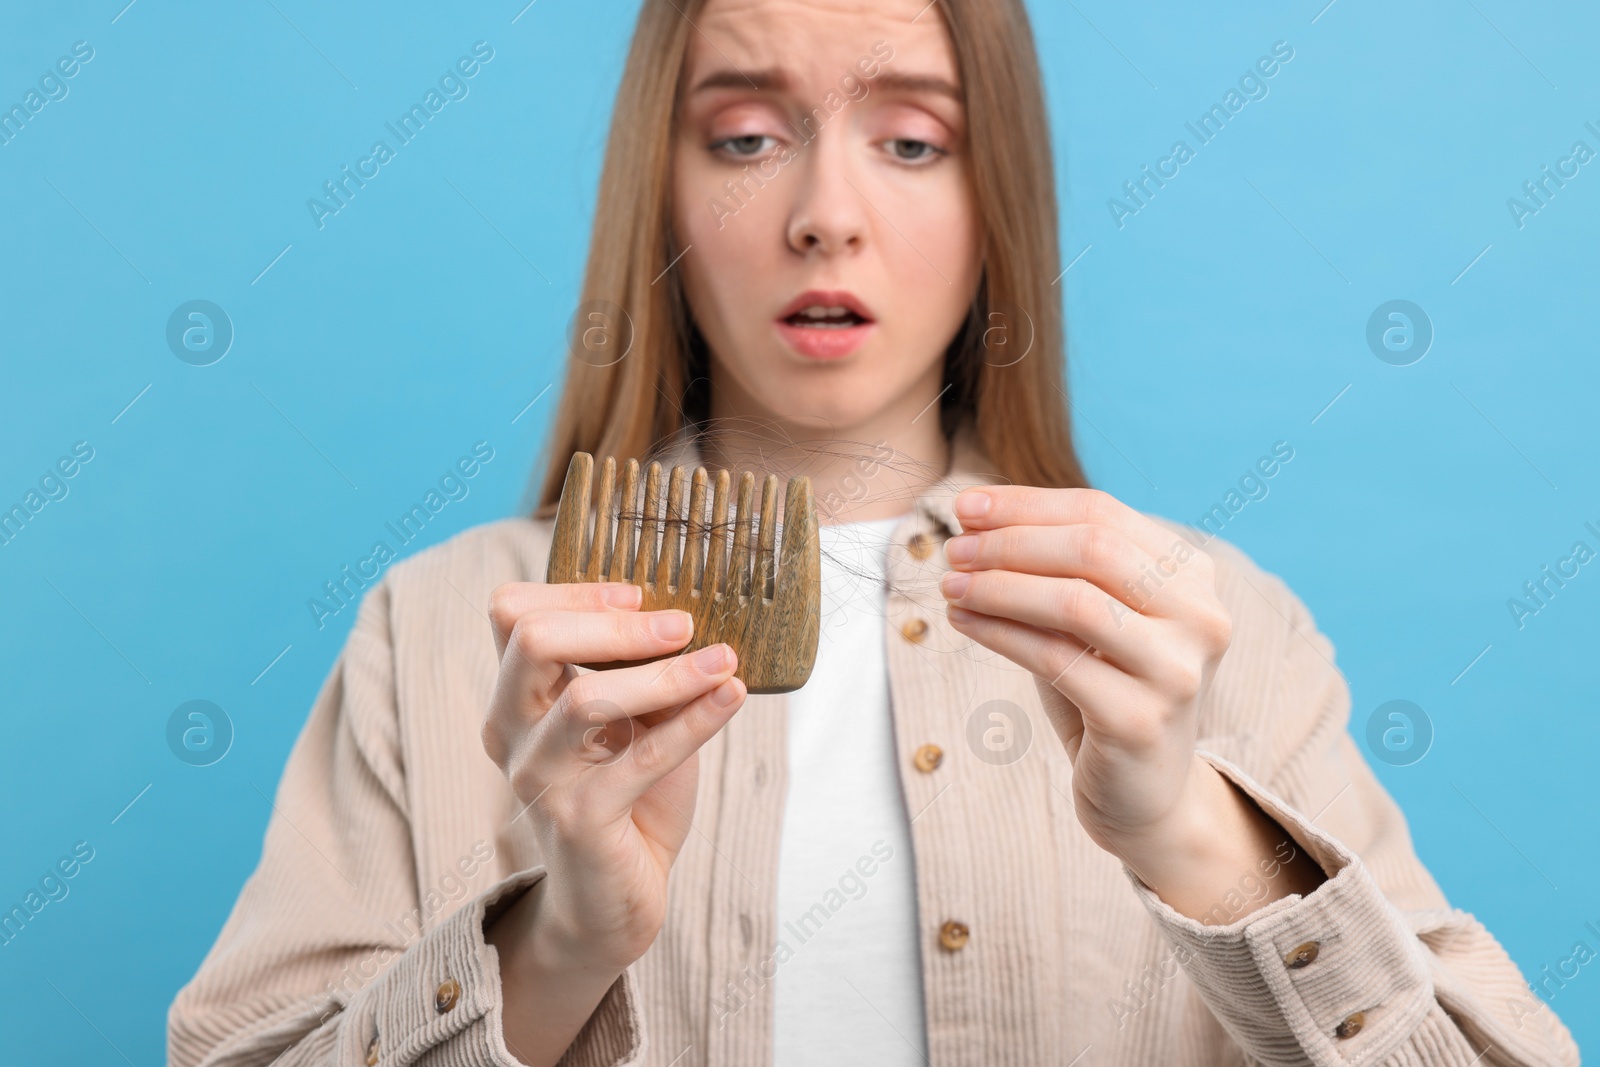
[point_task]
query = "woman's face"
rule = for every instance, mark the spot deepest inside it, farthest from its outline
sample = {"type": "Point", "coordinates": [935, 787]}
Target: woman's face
{"type": "Point", "coordinates": [823, 208]}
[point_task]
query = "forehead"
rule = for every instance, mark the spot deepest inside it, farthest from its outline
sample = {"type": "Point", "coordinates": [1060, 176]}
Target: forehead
{"type": "Point", "coordinates": [819, 38]}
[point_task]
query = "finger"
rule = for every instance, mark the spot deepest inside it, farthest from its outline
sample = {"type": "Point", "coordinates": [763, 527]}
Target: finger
{"type": "Point", "coordinates": [542, 642]}
{"type": "Point", "coordinates": [990, 507]}
{"type": "Point", "coordinates": [1061, 660]}
{"type": "Point", "coordinates": [661, 685]}
{"type": "Point", "coordinates": [595, 716]}
{"type": "Point", "coordinates": [661, 749]}
{"type": "Point", "coordinates": [1069, 605]}
{"type": "Point", "coordinates": [534, 667]}
{"type": "Point", "coordinates": [512, 600]}
{"type": "Point", "coordinates": [1103, 555]}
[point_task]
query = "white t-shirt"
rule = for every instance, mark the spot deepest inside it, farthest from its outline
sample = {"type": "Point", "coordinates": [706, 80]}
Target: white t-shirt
{"type": "Point", "coordinates": [850, 988]}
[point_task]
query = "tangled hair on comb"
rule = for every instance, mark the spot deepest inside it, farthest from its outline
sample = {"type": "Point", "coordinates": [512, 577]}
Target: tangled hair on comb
{"type": "Point", "coordinates": [855, 472]}
{"type": "Point", "coordinates": [763, 598]}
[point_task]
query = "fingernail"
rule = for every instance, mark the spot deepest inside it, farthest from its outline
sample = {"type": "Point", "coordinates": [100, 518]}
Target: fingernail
{"type": "Point", "coordinates": [725, 694]}
{"type": "Point", "coordinates": [671, 625]}
{"type": "Point", "coordinates": [623, 596]}
{"type": "Point", "coordinates": [972, 504]}
{"type": "Point", "coordinates": [962, 549]}
{"type": "Point", "coordinates": [712, 659]}
{"type": "Point", "coordinates": [954, 584]}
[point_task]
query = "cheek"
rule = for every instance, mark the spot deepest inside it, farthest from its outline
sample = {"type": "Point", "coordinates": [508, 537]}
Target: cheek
{"type": "Point", "coordinates": [947, 230]}
{"type": "Point", "coordinates": [689, 211]}
{"type": "Point", "coordinates": [721, 280]}
{"type": "Point", "coordinates": [720, 208]}
{"type": "Point", "coordinates": [737, 246]}
{"type": "Point", "coordinates": [943, 231]}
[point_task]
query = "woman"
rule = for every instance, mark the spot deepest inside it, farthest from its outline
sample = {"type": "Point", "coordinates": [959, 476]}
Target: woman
{"type": "Point", "coordinates": [816, 226]}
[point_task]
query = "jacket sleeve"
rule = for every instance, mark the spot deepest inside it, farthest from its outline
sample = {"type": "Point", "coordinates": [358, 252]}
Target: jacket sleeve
{"type": "Point", "coordinates": [1373, 967]}
{"type": "Point", "coordinates": [323, 960]}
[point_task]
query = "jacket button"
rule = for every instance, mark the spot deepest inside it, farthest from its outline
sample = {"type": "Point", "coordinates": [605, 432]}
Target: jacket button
{"type": "Point", "coordinates": [1306, 953]}
{"type": "Point", "coordinates": [927, 758]}
{"type": "Point", "coordinates": [914, 630]}
{"type": "Point", "coordinates": [445, 997]}
{"type": "Point", "coordinates": [372, 1052]}
{"type": "Point", "coordinates": [1351, 1026]}
{"type": "Point", "coordinates": [953, 935]}
{"type": "Point", "coordinates": [921, 545]}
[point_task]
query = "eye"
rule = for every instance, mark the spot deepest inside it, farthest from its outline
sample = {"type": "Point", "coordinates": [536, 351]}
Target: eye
{"type": "Point", "coordinates": [747, 146]}
{"type": "Point", "coordinates": [908, 150]}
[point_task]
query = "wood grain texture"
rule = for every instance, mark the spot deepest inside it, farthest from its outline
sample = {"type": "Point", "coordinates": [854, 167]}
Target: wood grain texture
{"type": "Point", "coordinates": [761, 598]}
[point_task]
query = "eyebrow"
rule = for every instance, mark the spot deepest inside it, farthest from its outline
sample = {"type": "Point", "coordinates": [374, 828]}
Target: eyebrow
{"type": "Point", "coordinates": [893, 81]}
{"type": "Point", "coordinates": [767, 80]}
{"type": "Point", "coordinates": [778, 81]}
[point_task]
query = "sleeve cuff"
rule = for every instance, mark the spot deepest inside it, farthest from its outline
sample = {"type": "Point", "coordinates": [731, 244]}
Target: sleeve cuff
{"type": "Point", "coordinates": [1303, 970]}
{"type": "Point", "coordinates": [441, 1003]}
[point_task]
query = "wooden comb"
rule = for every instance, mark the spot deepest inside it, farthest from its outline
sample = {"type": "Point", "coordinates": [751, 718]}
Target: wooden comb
{"type": "Point", "coordinates": [766, 607]}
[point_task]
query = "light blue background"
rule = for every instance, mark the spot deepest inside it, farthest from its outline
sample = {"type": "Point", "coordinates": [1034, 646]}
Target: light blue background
{"type": "Point", "coordinates": [1223, 317]}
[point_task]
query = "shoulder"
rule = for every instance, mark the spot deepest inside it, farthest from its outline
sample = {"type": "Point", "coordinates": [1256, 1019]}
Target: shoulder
{"type": "Point", "coordinates": [1277, 686]}
{"type": "Point", "coordinates": [420, 670]}
{"type": "Point", "coordinates": [511, 549]}
{"type": "Point", "coordinates": [1277, 659]}
{"type": "Point", "coordinates": [1258, 599]}
{"type": "Point", "coordinates": [444, 589]}
{"type": "Point", "coordinates": [422, 648]}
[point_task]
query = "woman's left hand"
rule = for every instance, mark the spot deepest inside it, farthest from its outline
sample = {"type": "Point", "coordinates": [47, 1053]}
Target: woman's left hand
{"type": "Point", "coordinates": [1119, 620]}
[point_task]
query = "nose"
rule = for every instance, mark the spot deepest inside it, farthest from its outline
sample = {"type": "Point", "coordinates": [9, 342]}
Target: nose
{"type": "Point", "coordinates": [829, 214]}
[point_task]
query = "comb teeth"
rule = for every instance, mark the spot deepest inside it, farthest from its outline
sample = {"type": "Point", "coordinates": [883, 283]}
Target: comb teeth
{"type": "Point", "coordinates": [673, 542]}
{"type": "Point", "coordinates": [725, 566]}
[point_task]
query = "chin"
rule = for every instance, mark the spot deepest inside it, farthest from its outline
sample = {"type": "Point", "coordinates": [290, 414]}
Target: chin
{"type": "Point", "coordinates": [824, 412]}
{"type": "Point", "coordinates": [822, 397]}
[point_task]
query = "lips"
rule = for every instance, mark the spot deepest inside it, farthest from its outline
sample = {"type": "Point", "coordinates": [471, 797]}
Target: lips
{"type": "Point", "coordinates": [825, 324]}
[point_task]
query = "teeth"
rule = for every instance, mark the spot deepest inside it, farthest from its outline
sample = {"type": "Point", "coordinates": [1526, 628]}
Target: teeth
{"type": "Point", "coordinates": [817, 312]}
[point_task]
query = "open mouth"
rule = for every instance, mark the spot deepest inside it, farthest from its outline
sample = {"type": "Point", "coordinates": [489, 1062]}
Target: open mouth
{"type": "Point", "coordinates": [822, 317]}
{"type": "Point", "coordinates": [825, 324]}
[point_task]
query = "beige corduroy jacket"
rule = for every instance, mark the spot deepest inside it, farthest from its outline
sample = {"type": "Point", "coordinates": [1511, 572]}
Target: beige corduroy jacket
{"type": "Point", "coordinates": [359, 938]}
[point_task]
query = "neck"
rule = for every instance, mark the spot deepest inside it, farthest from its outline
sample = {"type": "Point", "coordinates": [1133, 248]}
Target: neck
{"type": "Point", "coordinates": [873, 469]}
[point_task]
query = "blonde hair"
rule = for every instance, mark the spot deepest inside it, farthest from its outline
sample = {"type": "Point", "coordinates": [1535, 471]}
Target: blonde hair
{"type": "Point", "coordinates": [1017, 407]}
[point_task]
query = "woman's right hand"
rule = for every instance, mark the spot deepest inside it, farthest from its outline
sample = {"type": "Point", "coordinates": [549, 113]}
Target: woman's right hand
{"type": "Point", "coordinates": [606, 764]}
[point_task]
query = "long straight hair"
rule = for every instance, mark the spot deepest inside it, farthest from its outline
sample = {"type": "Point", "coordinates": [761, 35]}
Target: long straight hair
{"type": "Point", "coordinates": [636, 371]}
